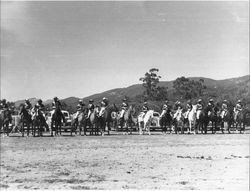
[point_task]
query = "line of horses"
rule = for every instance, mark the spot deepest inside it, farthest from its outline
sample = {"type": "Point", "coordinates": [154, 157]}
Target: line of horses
{"type": "Point", "coordinates": [100, 123]}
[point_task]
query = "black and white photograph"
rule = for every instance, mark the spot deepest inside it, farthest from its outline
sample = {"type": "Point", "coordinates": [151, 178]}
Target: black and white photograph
{"type": "Point", "coordinates": [124, 95]}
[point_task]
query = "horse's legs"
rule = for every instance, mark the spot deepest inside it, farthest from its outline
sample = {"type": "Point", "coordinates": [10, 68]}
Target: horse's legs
{"type": "Point", "coordinates": [108, 126]}
{"type": "Point", "coordinates": [7, 128]}
{"type": "Point", "coordinates": [60, 126]}
{"type": "Point", "coordinates": [190, 126]}
{"type": "Point", "coordinates": [140, 128]}
{"type": "Point", "coordinates": [182, 127]}
{"type": "Point", "coordinates": [22, 129]}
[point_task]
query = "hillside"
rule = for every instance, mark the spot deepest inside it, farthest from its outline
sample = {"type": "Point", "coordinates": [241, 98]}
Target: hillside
{"type": "Point", "coordinates": [220, 89]}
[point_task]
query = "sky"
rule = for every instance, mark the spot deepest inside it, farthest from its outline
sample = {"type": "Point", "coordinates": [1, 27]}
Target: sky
{"type": "Point", "coordinates": [81, 48]}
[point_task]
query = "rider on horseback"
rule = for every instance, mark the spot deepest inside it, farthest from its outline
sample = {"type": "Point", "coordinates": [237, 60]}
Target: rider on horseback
{"type": "Point", "coordinates": [210, 106]}
{"type": "Point", "coordinates": [238, 108]}
{"type": "Point", "coordinates": [211, 103]}
{"type": "Point", "coordinates": [104, 105]}
{"type": "Point", "coordinates": [3, 105]}
{"type": "Point", "coordinates": [56, 104]}
{"type": "Point", "coordinates": [165, 107]}
{"type": "Point", "coordinates": [199, 108]}
{"type": "Point", "coordinates": [224, 108]}
{"type": "Point", "coordinates": [124, 107]}
{"type": "Point", "coordinates": [41, 110]}
{"type": "Point", "coordinates": [27, 105]}
{"type": "Point", "coordinates": [41, 106]}
{"type": "Point", "coordinates": [179, 109]}
{"type": "Point", "coordinates": [91, 107]}
{"type": "Point", "coordinates": [189, 108]}
{"type": "Point", "coordinates": [145, 109]}
{"type": "Point", "coordinates": [81, 104]}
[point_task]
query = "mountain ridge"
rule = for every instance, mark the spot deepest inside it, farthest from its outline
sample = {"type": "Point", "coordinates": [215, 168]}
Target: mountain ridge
{"type": "Point", "coordinates": [117, 94]}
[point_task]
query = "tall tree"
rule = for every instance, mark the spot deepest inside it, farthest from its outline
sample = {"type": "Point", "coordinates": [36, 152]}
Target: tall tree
{"type": "Point", "coordinates": [150, 83]}
{"type": "Point", "coordinates": [188, 89]}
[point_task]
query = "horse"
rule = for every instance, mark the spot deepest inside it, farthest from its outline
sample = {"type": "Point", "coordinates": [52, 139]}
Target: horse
{"type": "Point", "coordinates": [104, 119]}
{"type": "Point", "coordinates": [37, 123]}
{"type": "Point", "coordinates": [128, 119]}
{"type": "Point", "coordinates": [191, 119]}
{"type": "Point", "coordinates": [79, 121]}
{"type": "Point", "coordinates": [226, 120]}
{"type": "Point", "coordinates": [115, 115]}
{"type": "Point", "coordinates": [239, 121]}
{"type": "Point", "coordinates": [25, 120]}
{"type": "Point", "coordinates": [56, 122]}
{"type": "Point", "coordinates": [211, 114]}
{"type": "Point", "coordinates": [91, 122]}
{"type": "Point", "coordinates": [178, 121]}
{"type": "Point", "coordinates": [165, 120]}
{"type": "Point", "coordinates": [145, 121]}
{"type": "Point", "coordinates": [5, 120]}
{"type": "Point", "coordinates": [200, 122]}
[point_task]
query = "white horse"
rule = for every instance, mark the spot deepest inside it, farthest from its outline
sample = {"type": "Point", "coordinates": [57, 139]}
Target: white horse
{"type": "Point", "coordinates": [192, 118]}
{"type": "Point", "coordinates": [178, 121]}
{"type": "Point", "coordinates": [145, 121]}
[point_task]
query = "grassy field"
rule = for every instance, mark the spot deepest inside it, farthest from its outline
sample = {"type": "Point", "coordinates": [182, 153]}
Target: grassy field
{"type": "Point", "coordinates": [176, 162]}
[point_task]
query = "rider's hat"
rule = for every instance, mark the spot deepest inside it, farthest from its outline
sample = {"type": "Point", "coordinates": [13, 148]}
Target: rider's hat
{"type": "Point", "coordinates": [189, 102]}
{"type": "Point", "coordinates": [124, 99]}
{"type": "Point", "coordinates": [91, 101]}
{"type": "Point", "coordinates": [80, 100]}
{"type": "Point", "coordinates": [145, 103]}
{"type": "Point", "coordinates": [177, 102]}
{"type": "Point", "coordinates": [53, 107]}
{"type": "Point", "coordinates": [166, 101]}
{"type": "Point", "coordinates": [4, 100]}
{"type": "Point", "coordinates": [224, 101]}
{"type": "Point", "coordinates": [239, 101]}
{"type": "Point", "coordinates": [211, 100]}
{"type": "Point", "coordinates": [36, 106]}
{"type": "Point", "coordinates": [55, 98]}
{"type": "Point", "coordinates": [39, 101]}
{"type": "Point", "coordinates": [199, 100]}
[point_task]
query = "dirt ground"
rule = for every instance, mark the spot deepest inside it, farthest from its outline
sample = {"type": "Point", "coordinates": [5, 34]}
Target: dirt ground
{"type": "Point", "coordinates": [173, 162]}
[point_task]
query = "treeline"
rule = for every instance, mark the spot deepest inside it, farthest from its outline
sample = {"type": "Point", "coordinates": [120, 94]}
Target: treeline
{"type": "Point", "coordinates": [185, 89]}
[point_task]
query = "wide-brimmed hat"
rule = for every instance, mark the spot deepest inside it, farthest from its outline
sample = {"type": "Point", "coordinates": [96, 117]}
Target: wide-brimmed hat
{"type": "Point", "coordinates": [91, 101]}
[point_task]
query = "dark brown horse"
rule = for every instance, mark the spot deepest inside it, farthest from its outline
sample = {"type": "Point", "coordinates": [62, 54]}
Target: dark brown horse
{"type": "Point", "coordinates": [211, 114]}
{"type": "Point", "coordinates": [105, 119]}
{"type": "Point", "coordinates": [56, 122]}
{"type": "Point", "coordinates": [26, 120]}
{"type": "Point", "coordinates": [165, 120]}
